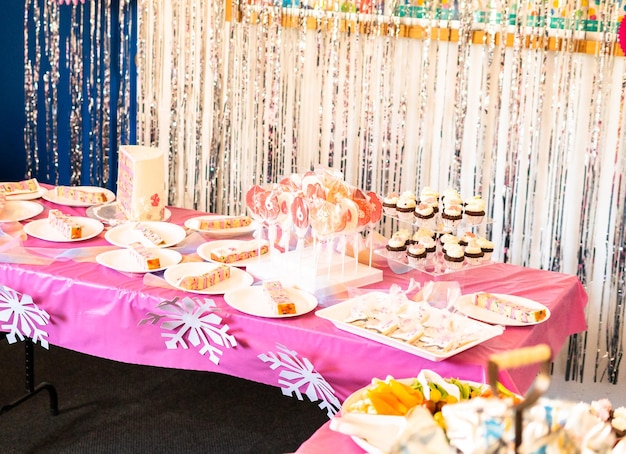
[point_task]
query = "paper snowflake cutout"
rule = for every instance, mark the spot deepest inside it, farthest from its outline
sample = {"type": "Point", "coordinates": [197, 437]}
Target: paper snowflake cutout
{"type": "Point", "coordinates": [23, 317]}
{"type": "Point", "coordinates": [297, 373]}
{"type": "Point", "coordinates": [195, 321]}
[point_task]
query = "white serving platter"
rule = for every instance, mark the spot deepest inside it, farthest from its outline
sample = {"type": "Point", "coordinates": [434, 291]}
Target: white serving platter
{"type": "Point", "coordinates": [478, 332]}
{"type": "Point", "coordinates": [251, 300]}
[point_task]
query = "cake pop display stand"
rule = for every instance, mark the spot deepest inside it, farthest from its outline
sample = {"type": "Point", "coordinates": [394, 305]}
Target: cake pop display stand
{"type": "Point", "coordinates": [332, 273]}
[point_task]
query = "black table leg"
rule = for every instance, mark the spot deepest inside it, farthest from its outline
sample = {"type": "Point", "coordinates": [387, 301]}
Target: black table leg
{"type": "Point", "coordinates": [31, 389]}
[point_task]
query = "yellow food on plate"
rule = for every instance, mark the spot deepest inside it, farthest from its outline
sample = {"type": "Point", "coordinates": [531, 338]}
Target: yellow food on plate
{"type": "Point", "coordinates": [395, 397]}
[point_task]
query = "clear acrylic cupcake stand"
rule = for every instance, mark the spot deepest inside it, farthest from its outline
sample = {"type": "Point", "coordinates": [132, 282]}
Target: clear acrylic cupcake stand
{"type": "Point", "coordinates": [434, 264]}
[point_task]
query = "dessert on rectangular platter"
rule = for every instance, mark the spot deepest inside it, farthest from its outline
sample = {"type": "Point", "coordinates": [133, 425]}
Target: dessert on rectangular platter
{"type": "Point", "coordinates": [141, 183]}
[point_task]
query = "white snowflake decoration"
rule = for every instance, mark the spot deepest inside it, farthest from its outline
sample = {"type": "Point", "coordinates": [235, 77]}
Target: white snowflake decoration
{"type": "Point", "coordinates": [197, 322]}
{"type": "Point", "coordinates": [23, 317]}
{"type": "Point", "coordinates": [297, 373]}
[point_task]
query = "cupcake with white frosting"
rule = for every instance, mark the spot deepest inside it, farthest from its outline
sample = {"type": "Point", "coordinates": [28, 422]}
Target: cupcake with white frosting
{"type": "Point", "coordinates": [451, 216]}
{"type": "Point", "coordinates": [424, 214]}
{"type": "Point", "coordinates": [475, 210]}
{"type": "Point", "coordinates": [389, 203]}
{"type": "Point", "coordinates": [473, 254]}
{"type": "Point", "coordinates": [486, 246]}
{"type": "Point", "coordinates": [396, 248]}
{"type": "Point", "coordinates": [405, 206]}
{"type": "Point", "coordinates": [454, 257]}
{"type": "Point", "coordinates": [416, 254]}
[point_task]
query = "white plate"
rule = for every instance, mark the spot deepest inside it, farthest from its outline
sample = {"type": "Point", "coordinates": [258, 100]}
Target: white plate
{"type": "Point", "coordinates": [110, 213]}
{"type": "Point", "coordinates": [251, 300]}
{"type": "Point", "coordinates": [29, 195]}
{"type": "Point", "coordinates": [465, 305]}
{"type": "Point", "coordinates": [125, 234]}
{"type": "Point", "coordinates": [238, 278]}
{"type": "Point", "coordinates": [480, 332]}
{"type": "Point", "coordinates": [122, 260]}
{"type": "Point", "coordinates": [51, 196]}
{"type": "Point", "coordinates": [42, 229]}
{"type": "Point", "coordinates": [19, 210]}
{"type": "Point", "coordinates": [204, 251]}
{"type": "Point", "coordinates": [221, 233]}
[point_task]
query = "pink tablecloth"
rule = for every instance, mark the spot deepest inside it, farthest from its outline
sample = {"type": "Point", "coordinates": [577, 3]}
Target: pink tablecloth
{"type": "Point", "coordinates": [97, 310]}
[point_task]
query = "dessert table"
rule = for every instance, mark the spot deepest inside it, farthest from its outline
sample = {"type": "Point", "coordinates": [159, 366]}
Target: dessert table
{"type": "Point", "coordinates": [106, 313]}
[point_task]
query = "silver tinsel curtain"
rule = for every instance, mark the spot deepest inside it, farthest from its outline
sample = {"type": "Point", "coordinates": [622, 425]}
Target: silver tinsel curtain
{"type": "Point", "coordinates": [78, 66]}
{"type": "Point", "coordinates": [520, 102]}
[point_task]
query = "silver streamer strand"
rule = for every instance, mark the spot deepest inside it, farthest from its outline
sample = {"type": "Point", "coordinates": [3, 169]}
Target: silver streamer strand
{"type": "Point", "coordinates": [465, 21]}
{"type": "Point", "coordinates": [75, 143]}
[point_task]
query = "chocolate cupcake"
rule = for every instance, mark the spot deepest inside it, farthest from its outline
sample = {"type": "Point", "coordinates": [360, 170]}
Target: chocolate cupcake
{"type": "Point", "coordinates": [423, 213]}
{"type": "Point", "coordinates": [396, 248]}
{"type": "Point", "coordinates": [452, 216]}
{"type": "Point", "coordinates": [454, 257]}
{"type": "Point", "coordinates": [474, 254]}
{"type": "Point", "coordinates": [416, 254]}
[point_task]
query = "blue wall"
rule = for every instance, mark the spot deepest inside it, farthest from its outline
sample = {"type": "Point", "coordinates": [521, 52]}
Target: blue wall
{"type": "Point", "coordinates": [12, 116]}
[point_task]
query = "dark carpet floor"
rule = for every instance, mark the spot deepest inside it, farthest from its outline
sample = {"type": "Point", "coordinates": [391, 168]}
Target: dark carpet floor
{"type": "Point", "coordinates": [111, 407]}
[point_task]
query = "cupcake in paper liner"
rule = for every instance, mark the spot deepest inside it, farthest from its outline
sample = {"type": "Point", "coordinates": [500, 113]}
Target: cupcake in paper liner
{"type": "Point", "coordinates": [486, 246]}
{"type": "Point", "coordinates": [453, 257]}
{"type": "Point", "coordinates": [473, 254]}
{"type": "Point", "coordinates": [451, 197]}
{"type": "Point", "coordinates": [416, 254]}
{"type": "Point", "coordinates": [423, 232]}
{"type": "Point", "coordinates": [403, 234]}
{"type": "Point", "coordinates": [396, 248]}
{"type": "Point", "coordinates": [467, 238]}
{"type": "Point", "coordinates": [429, 244]}
{"type": "Point", "coordinates": [446, 239]}
{"type": "Point", "coordinates": [475, 210]}
{"type": "Point", "coordinates": [451, 216]}
{"type": "Point", "coordinates": [424, 215]}
{"type": "Point", "coordinates": [406, 206]}
{"type": "Point", "coordinates": [389, 203]}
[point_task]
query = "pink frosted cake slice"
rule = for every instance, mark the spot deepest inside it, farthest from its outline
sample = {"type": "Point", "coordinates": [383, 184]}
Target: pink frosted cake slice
{"type": "Point", "coordinates": [221, 223]}
{"type": "Point", "coordinates": [243, 251]}
{"type": "Point", "coordinates": [279, 301]}
{"type": "Point", "coordinates": [509, 309]}
{"type": "Point", "coordinates": [144, 257]}
{"type": "Point", "coordinates": [150, 235]}
{"type": "Point", "coordinates": [65, 224]}
{"type": "Point", "coordinates": [80, 195]}
{"type": "Point", "coordinates": [20, 187]}
{"type": "Point", "coordinates": [206, 280]}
